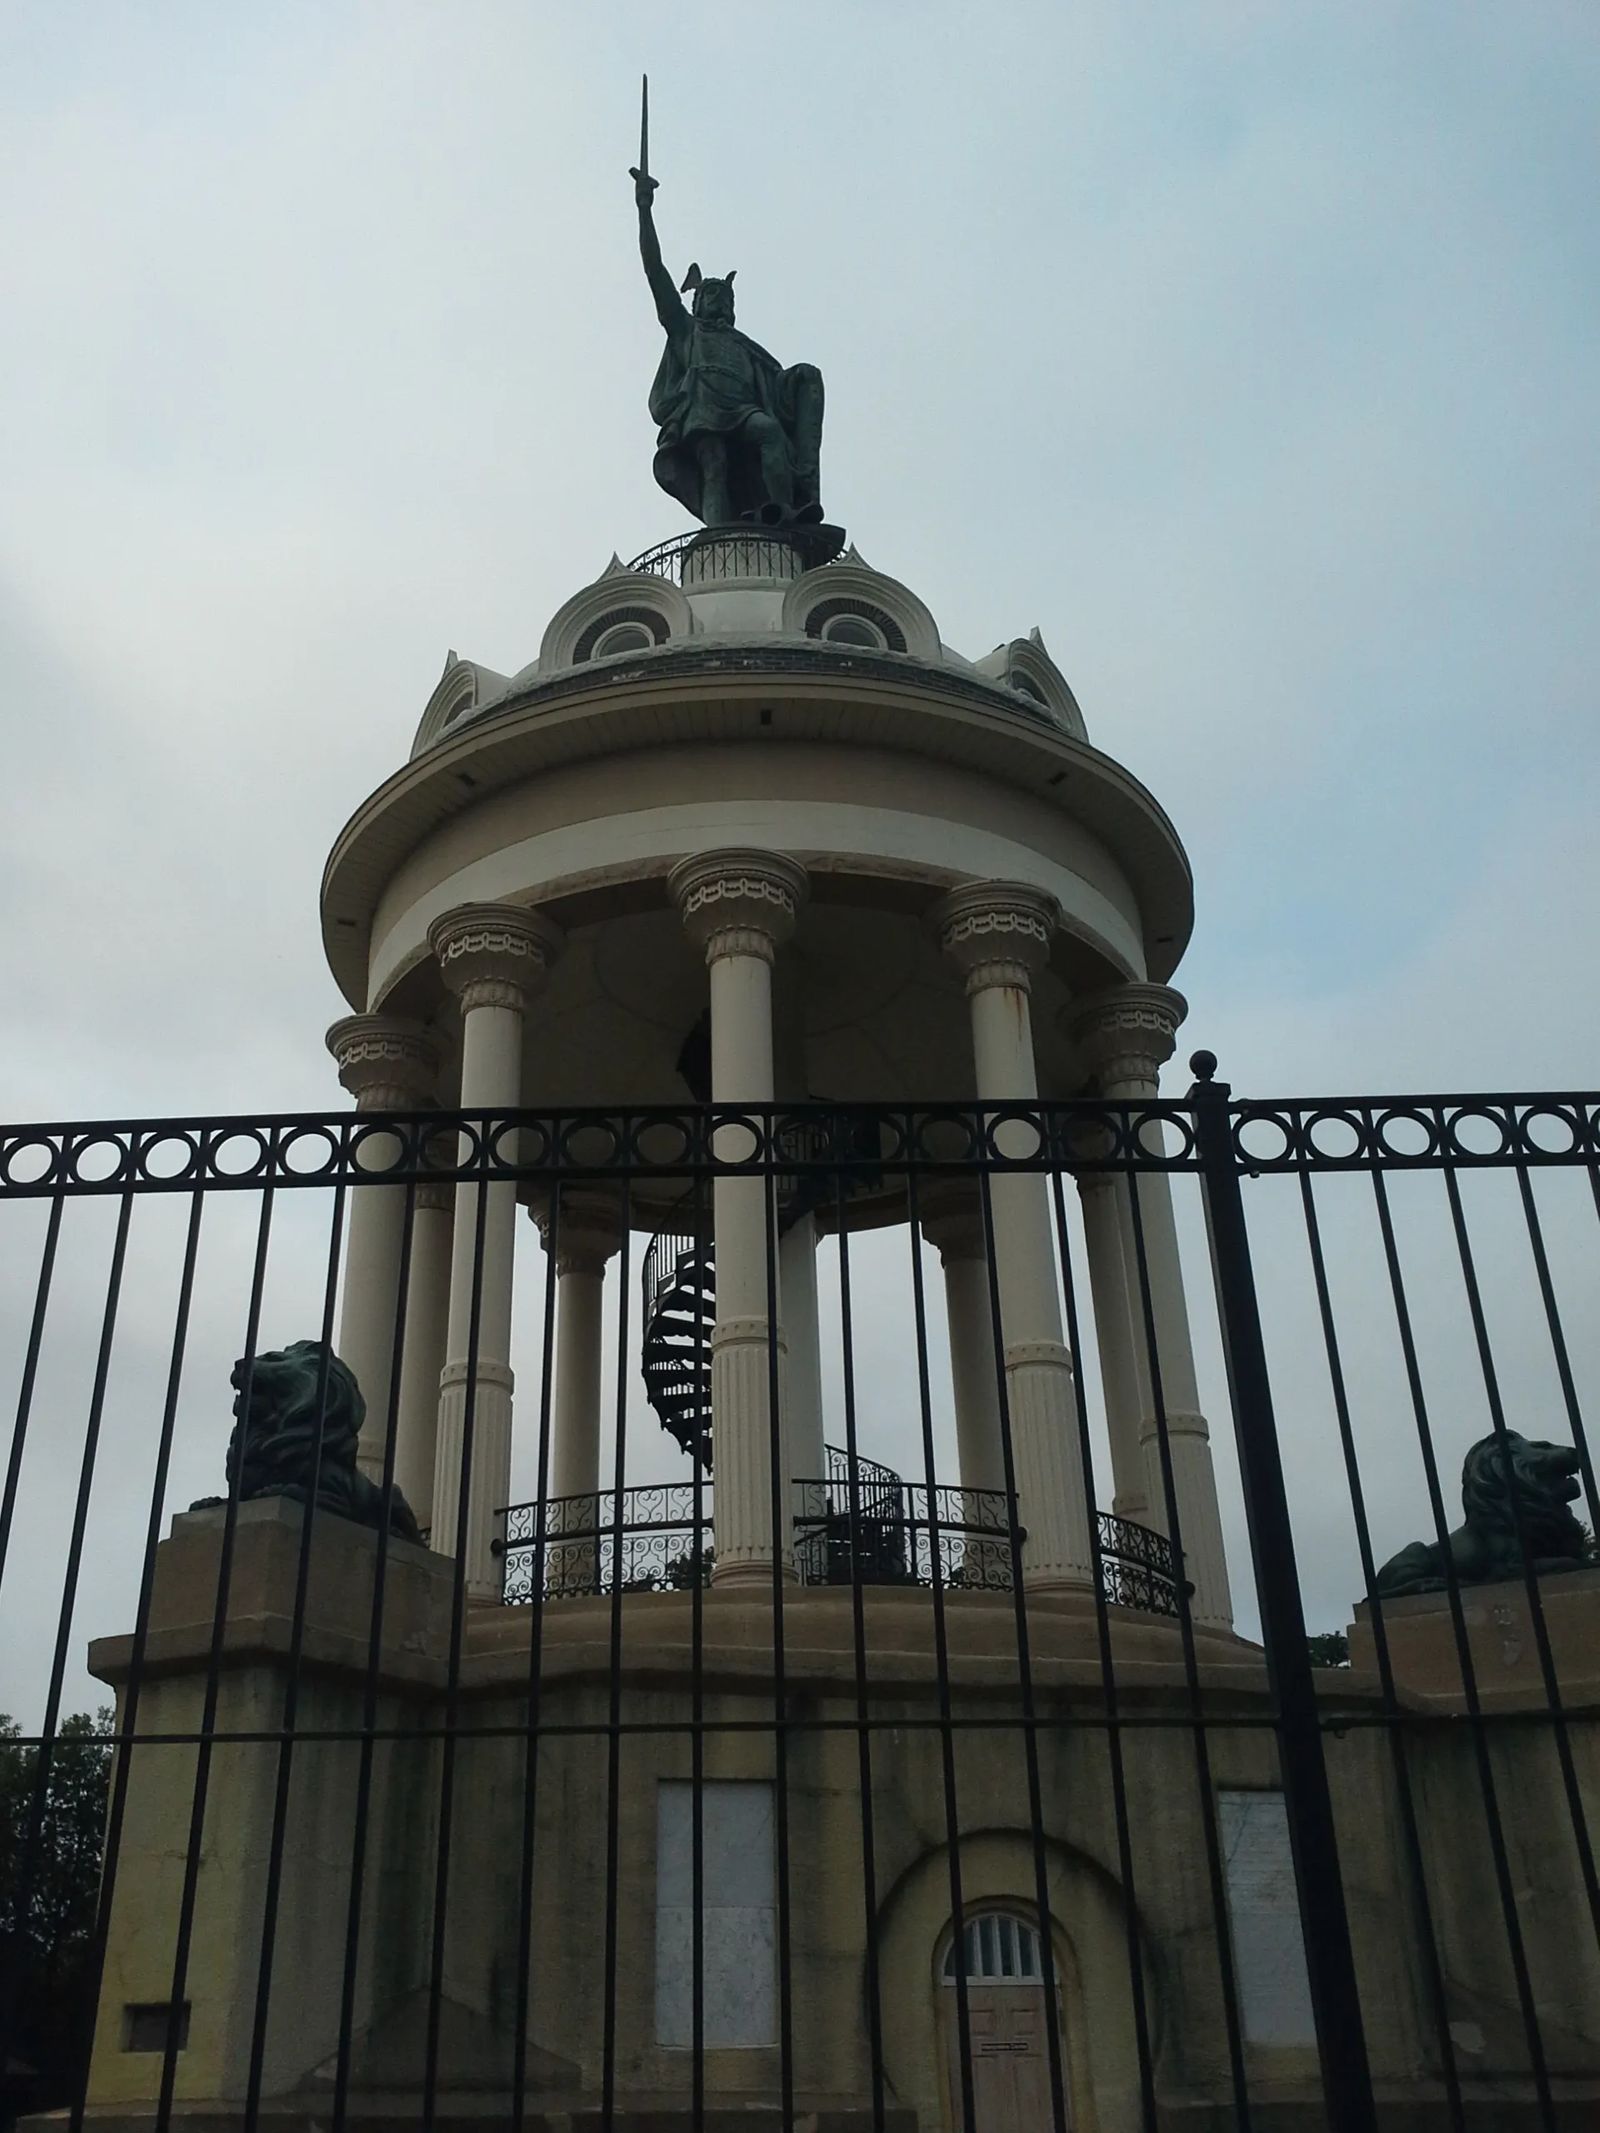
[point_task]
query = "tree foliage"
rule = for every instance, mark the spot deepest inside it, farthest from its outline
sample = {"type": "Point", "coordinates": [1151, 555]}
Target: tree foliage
{"type": "Point", "coordinates": [50, 1845]}
{"type": "Point", "coordinates": [1329, 1647]}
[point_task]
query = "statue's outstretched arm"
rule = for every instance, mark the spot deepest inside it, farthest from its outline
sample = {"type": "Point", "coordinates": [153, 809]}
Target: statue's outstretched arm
{"type": "Point", "coordinates": [670, 307]}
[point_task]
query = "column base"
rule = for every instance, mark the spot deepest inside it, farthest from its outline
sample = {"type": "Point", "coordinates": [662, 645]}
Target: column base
{"type": "Point", "coordinates": [1052, 1507]}
{"type": "Point", "coordinates": [1056, 1581]}
{"type": "Point", "coordinates": [742, 1433]}
{"type": "Point", "coordinates": [750, 1574]}
{"type": "Point", "coordinates": [490, 1480]}
{"type": "Point", "coordinates": [1194, 1486]}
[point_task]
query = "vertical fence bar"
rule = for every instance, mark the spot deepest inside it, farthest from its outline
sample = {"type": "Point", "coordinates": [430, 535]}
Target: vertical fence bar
{"type": "Point", "coordinates": [1493, 1822]}
{"type": "Point", "coordinates": [129, 1715]}
{"type": "Point", "coordinates": [1027, 1704]}
{"type": "Point", "coordinates": [614, 1726]}
{"type": "Point", "coordinates": [26, 1862]}
{"type": "Point", "coordinates": [290, 1713]}
{"type": "Point", "coordinates": [369, 1694]}
{"type": "Point", "coordinates": [183, 1938]}
{"type": "Point", "coordinates": [782, 1513]}
{"type": "Point", "coordinates": [858, 1629]}
{"type": "Point", "coordinates": [480, 1165]}
{"type": "Point", "coordinates": [699, 1246]}
{"type": "Point", "coordinates": [1525, 1548]}
{"type": "Point", "coordinates": [1211, 1836]}
{"type": "Point", "coordinates": [1405, 1792]}
{"type": "Point", "coordinates": [535, 1675]}
{"type": "Point", "coordinates": [1115, 1762]}
{"type": "Point", "coordinates": [30, 1372]}
{"type": "Point", "coordinates": [941, 1652]}
{"type": "Point", "coordinates": [1313, 1840]}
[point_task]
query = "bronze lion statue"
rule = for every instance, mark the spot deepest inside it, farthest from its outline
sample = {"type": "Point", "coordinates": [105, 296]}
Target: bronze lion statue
{"type": "Point", "coordinates": [273, 1448]}
{"type": "Point", "coordinates": [1486, 1546]}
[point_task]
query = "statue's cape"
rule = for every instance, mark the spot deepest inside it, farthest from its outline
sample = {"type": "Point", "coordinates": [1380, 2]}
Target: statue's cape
{"type": "Point", "coordinates": [690, 399]}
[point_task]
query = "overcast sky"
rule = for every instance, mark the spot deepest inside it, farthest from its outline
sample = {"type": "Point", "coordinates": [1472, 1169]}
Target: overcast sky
{"type": "Point", "coordinates": [1248, 351]}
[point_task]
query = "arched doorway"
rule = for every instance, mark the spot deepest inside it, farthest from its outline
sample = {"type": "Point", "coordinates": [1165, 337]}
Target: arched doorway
{"type": "Point", "coordinates": [1006, 2018]}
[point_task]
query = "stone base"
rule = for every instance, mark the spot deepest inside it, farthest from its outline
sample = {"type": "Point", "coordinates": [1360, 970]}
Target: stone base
{"type": "Point", "coordinates": [1500, 1636]}
{"type": "Point", "coordinates": [729, 1635]}
{"type": "Point", "coordinates": [480, 2113]}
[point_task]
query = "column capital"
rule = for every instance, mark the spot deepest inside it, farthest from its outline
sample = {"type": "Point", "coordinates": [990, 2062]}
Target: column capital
{"type": "Point", "coordinates": [386, 1063]}
{"type": "Point", "coordinates": [590, 1230]}
{"type": "Point", "coordinates": [494, 955]}
{"type": "Point", "coordinates": [997, 932]}
{"type": "Point", "coordinates": [738, 902]}
{"type": "Point", "coordinates": [1127, 1033]}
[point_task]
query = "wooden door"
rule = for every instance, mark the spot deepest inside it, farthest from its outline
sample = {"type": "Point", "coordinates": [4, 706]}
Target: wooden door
{"type": "Point", "coordinates": [1010, 2058]}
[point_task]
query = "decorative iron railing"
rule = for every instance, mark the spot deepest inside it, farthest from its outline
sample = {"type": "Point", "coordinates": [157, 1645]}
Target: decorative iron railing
{"type": "Point", "coordinates": [651, 1539]}
{"type": "Point", "coordinates": [1395, 1283]}
{"type": "Point", "coordinates": [659, 1539]}
{"type": "Point", "coordinates": [742, 551]}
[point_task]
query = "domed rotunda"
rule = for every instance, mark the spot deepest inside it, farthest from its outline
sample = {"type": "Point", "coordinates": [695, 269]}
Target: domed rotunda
{"type": "Point", "coordinates": [747, 830]}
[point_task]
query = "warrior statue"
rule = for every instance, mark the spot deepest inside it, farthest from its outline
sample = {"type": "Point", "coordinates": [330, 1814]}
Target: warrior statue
{"type": "Point", "coordinates": [740, 435]}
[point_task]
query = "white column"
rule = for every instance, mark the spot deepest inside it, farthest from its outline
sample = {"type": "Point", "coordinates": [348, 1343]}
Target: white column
{"type": "Point", "coordinates": [1126, 1034]}
{"type": "Point", "coordinates": [802, 1338]}
{"type": "Point", "coordinates": [738, 906]}
{"type": "Point", "coordinates": [492, 957]}
{"type": "Point", "coordinates": [387, 1065]}
{"type": "Point", "coordinates": [427, 1336]}
{"type": "Point", "coordinates": [587, 1234]}
{"type": "Point", "coordinates": [951, 1212]}
{"type": "Point", "coordinates": [1117, 1338]}
{"type": "Point", "coordinates": [998, 934]}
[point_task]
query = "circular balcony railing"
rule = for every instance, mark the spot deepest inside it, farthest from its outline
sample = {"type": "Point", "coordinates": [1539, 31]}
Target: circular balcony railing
{"type": "Point", "coordinates": [741, 551]}
{"type": "Point", "coordinates": [659, 1538]}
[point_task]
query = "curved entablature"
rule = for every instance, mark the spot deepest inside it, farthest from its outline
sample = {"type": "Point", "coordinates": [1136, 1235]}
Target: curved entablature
{"type": "Point", "coordinates": [857, 608]}
{"type": "Point", "coordinates": [624, 611]}
{"type": "Point", "coordinates": [463, 687]}
{"type": "Point", "coordinates": [1025, 668]}
{"type": "Point", "coordinates": [752, 703]}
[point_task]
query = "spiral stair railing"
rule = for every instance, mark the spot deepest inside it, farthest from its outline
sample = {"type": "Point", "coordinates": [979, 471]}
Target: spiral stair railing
{"type": "Point", "coordinates": [680, 1284]}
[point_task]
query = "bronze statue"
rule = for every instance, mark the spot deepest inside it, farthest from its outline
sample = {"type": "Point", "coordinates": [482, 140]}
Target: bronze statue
{"type": "Point", "coordinates": [274, 1443]}
{"type": "Point", "coordinates": [1487, 1546]}
{"type": "Point", "coordinates": [740, 435]}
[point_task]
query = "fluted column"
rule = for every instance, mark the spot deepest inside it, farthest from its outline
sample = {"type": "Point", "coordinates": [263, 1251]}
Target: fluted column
{"type": "Point", "coordinates": [951, 1211]}
{"type": "Point", "coordinates": [427, 1337]}
{"type": "Point", "coordinates": [493, 957]}
{"type": "Point", "coordinates": [1118, 1338]}
{"type": "Point", "coordinates": [387, 1064]}
{"type": "Point", "coordinates": [998, 934]}
{"type": "Point", "coordinates": [738, 906]}
{"type": "Point", "coordinates": [802, 1339]}
{"type": "Point", "coordinates": [587, 1233]}
{"type": "Point", "coordinates": [1126, 1034]}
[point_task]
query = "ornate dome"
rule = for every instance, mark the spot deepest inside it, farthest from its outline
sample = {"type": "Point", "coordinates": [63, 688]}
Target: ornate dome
{"type": "Point", "coordinates": [748, 602]}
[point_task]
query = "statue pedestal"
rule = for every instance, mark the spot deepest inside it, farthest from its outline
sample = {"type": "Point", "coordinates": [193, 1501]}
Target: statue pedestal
{"type": "Point", "coordinates": [241, 1775]}
{"type": "Point", "coordinates": [1500, 1637]}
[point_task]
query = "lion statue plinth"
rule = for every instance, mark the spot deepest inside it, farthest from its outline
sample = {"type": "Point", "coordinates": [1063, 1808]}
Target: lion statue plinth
{"type": "Point", "coordinates": [1487, 1545]}
{"type": "Point", "coordinates": [273, 1449]}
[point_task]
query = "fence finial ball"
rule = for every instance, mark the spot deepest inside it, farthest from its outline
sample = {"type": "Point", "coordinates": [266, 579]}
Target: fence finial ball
{"type": "Point", "coordinates": [1202, 1065]}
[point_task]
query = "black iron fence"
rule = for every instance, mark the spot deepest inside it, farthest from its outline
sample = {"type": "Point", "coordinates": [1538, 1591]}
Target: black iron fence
{"type": "Point", "coordinates": [907, 1819]}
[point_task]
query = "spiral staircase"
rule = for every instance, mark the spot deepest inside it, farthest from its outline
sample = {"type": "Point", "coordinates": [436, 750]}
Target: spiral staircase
{"type": "Point", "coordinates": [680, 1296]}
